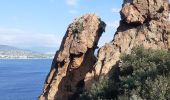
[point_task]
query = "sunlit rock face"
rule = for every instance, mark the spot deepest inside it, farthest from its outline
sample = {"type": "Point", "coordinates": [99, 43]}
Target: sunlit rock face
{"type": "Point", "coordinates": [74, 59]}
{"type": "Point", "coordinates": [143, 22]}
{"type": "Point", "coordinates": [74, 68]}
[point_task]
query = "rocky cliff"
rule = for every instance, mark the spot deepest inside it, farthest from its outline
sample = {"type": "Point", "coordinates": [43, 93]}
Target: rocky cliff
{"type": "Point", "coordinates": [143, 22]}
{"type": "Point", "coordinates": [74, 59]}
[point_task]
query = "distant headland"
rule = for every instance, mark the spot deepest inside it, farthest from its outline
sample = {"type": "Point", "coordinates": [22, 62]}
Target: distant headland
{"type": "Point", "coordinates": [10, 52]}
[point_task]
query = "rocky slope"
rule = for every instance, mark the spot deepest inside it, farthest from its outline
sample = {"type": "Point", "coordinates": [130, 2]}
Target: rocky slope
{"type": "Point", "coordinates": [143, 22]}
{"type": "Point", "coordinates": [74, 59]}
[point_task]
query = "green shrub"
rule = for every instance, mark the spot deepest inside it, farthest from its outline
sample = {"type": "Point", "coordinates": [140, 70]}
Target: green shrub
{"type": "Point", "coordinates": [105, 89]}
{"type": "Point", "coordinates": [143, 74]}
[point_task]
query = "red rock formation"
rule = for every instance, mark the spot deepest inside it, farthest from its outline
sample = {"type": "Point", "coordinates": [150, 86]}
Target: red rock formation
{"type": "Point", "coordinates": [143, 22]}
{"type": "Point", "coordinates": [74, 59]}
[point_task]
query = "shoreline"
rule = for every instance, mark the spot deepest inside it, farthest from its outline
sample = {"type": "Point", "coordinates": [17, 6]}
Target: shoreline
{"type": "Point", "coordinates": [26, 58]}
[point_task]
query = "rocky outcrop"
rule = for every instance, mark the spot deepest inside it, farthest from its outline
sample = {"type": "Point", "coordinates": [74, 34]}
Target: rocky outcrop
{"type": "Point", "coordinates": [143, 22]}
{"type": "Point", "coordinates": [74, 59]}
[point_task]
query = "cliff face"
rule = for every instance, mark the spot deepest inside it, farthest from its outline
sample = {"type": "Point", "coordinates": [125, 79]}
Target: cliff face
{"type": "Point", "coordinates": [143, 22]}
{"type": "Point", "coordinates": [74, 59]}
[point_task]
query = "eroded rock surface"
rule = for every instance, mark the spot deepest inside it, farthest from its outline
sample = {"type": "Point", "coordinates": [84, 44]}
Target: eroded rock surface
{"type": "Point", "coordinates": [74, 59]}
{"type": "Point", "coordinates": [143, 22]}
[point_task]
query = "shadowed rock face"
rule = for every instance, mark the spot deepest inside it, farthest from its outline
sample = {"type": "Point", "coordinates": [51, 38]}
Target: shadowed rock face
{"type": "Point", "coordinates": [74, 59]}
{"type": "Point", "coordinates": [143, 22]}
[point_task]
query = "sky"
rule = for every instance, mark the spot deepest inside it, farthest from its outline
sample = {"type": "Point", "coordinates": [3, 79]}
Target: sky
{"type": "Point", "coordinates": [39, 25]}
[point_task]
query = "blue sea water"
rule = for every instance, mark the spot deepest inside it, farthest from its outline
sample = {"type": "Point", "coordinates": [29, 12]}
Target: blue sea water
{"type": "Point", "coordinates": [22, 79]}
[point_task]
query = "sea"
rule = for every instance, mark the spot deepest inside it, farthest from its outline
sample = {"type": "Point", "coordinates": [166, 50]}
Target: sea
{"type": "Point", "coordinates": [23, 79]}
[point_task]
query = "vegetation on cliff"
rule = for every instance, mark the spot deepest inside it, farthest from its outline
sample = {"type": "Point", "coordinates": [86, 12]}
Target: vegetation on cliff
{"type": "Point", "coordinates": [143, 74]}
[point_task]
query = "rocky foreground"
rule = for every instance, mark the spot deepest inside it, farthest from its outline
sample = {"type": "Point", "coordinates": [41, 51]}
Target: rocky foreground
{"type": "Point", "coordinates": [74, 68]}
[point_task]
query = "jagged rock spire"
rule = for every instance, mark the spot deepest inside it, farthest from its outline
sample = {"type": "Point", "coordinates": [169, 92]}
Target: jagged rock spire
{"type": "Point", "coordinates": [143, 22]}
{"type": "Point", "coordinates": [74, 59]}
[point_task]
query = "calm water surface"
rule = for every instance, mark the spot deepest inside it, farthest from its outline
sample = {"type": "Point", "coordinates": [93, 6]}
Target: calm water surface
{"type": "Point", "coordinates": [22, 79]}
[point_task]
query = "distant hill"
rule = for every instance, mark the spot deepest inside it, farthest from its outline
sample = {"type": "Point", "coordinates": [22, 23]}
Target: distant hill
{"type": "Point", "coordinates": [9, 52]}
{"type": "Point", "coordinates": [6, 47]}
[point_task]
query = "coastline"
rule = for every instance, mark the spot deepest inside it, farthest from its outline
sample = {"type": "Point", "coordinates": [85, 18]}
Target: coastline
{"type": "Point", "coordinates": [26, 58]}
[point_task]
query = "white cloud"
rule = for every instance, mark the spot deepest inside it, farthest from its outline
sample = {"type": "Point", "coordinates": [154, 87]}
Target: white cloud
{"type": "Point", "coordinates": [72, 6]}
{"type": "Point", "coordinates": [113, 24]}
{"type": "Point", "coordinates": [26, 39]}
{"type": "Point", "coordinates": [71, 2]}
{"type": "Point", "coordinates": [116, 10]}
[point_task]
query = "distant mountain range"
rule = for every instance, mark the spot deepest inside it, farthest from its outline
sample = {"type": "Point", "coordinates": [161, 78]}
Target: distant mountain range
{"type": "Point", "coordinates": [9, 52]}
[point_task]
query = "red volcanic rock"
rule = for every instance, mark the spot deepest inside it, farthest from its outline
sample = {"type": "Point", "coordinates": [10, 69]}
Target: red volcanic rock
{"type": "Point", "coordinates": [144, 22]}
{"type": "Point", "coordinates": [74, 59]}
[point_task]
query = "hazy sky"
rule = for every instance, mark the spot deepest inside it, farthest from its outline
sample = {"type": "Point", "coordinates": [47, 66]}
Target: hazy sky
{"type": "Point", "coordinates": [40, 25]}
